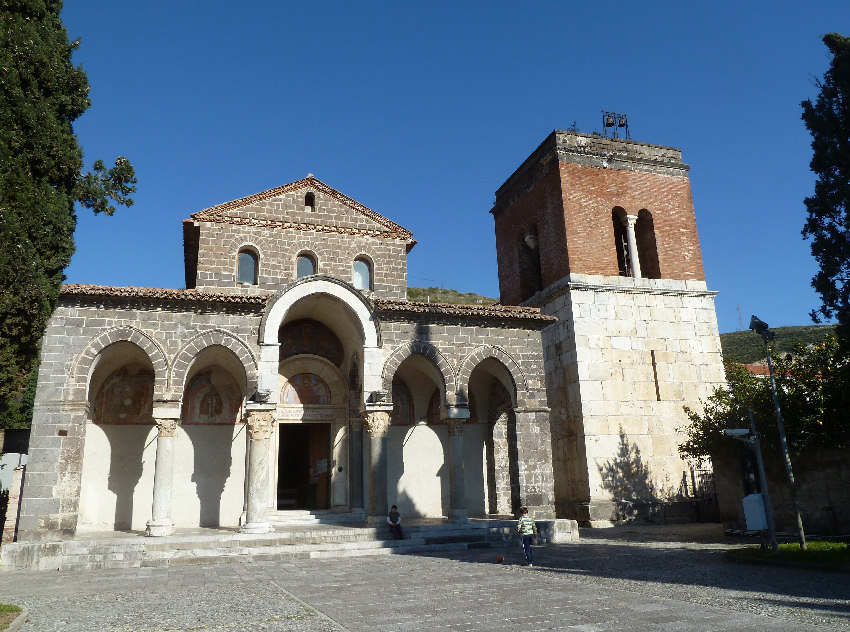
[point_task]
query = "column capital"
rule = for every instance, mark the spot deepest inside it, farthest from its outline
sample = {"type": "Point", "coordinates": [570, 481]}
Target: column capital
{"type": "Point", "coordinates": [376, 422]}
{"type": "Point", "coordinates": [260, 423]}
{"type": "Point", "coordinates": [631, 220]}
{"type": "Point", "coordinates": [455, 426]}
{"type": "Point", "coordinates": [166, 427]}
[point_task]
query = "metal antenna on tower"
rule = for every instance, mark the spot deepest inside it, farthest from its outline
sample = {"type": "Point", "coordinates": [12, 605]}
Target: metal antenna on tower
{"type": "Point", "coordinates": [740, 319]}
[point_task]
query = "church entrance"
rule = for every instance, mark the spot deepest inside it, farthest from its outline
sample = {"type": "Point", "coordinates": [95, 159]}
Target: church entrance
{"type": "Point", "coordinates": [303, 462]}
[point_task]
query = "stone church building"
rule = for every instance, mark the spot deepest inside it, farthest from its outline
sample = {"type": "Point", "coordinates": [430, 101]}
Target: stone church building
{"type": "Point", "coordinates": [292, 373]}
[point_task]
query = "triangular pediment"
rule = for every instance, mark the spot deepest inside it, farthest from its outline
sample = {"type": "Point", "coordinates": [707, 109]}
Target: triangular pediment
{"type": "Point", "coordinates": [286, 207]}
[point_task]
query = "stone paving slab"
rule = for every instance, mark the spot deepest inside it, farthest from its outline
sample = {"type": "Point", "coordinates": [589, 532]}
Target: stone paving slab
{"type": "Point", "coordinates": [594, 585]}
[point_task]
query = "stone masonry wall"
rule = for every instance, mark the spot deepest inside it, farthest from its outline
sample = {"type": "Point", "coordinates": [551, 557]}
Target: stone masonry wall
{"type": "Point", "coordinates": [823, 488]}
{"type": "Point", "coordinates": [340, 236]}
{"type": "Point", "coordinates": [625, 357]}
{"type": "Point", "coordinates": [457, 340]}
{"type": "Point", "coordinates": [52, 485]}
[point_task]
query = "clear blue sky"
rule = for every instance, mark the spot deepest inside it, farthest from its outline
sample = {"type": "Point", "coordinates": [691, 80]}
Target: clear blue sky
{"type": "Point", "coordinates": [421, 110]}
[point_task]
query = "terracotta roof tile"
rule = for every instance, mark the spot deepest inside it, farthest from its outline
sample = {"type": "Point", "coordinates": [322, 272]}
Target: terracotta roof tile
{"type": "Point", "coordinates": [487, 311]}
{"type": "Point", "coordinates": [72, 289]}
{"type": "Point", "coordinates": [219, 213]}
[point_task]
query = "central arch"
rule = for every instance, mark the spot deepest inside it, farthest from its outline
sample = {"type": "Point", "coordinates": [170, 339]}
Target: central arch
{"type": "Point", "coordinates": [354, 305]}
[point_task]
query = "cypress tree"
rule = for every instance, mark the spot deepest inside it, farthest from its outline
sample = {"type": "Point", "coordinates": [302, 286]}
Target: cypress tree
{"type": "Point", "coordinates": [828, 221]}
{"type": "Point", "coordinates": [41, 95]}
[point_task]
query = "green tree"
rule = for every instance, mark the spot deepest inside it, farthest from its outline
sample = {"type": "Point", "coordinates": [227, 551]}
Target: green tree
{"type": "Point", "coordinates": [809, 384]}
{"type": "Point", "coordinates": [828, 222]}
{"type": "Point", "coordinates": [41, 181]}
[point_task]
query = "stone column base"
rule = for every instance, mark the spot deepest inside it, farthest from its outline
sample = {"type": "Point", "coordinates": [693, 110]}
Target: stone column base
{"type": "Point", "coordinates": [256, 527]}
{"type": "Point", "coordinates": [159, 528]}
{"type": "Point", "coordinates": [554, 531]}
{"type": "Point", "coordinates": [458, 515]}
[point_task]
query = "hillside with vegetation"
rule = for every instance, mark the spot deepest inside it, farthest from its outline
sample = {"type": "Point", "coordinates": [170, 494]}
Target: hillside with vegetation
{"type": "Point", "coordinates": [746, 347]}
{"type": "Point", "coordinates": [452, 297]}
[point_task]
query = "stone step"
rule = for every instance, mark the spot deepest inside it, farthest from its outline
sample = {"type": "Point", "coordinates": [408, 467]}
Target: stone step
{"type": "Point", "coordinates": [290, 542]}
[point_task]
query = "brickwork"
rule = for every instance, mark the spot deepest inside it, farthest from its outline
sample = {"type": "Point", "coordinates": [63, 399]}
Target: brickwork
{"type": "Point", "coordinates": [626, 353]}
{"type": "Point", "coordinates": [568, 188]}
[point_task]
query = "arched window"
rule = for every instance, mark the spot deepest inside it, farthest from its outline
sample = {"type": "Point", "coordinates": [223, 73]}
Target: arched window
{"type": "Point", "coordinates": [309, 202]}
{"type": "Point", "coordinates": [305, 265]}
{"type": "Point", "coordinates": [621, 242]}
{"type": "Point", "coordinates": [528, 258]}
{"type": "Point", "coordinates": [646, 247]}
{"type": "Point", "coordinates": [247, 272]}
{"type": "Point", "coordinates": [362, 274]}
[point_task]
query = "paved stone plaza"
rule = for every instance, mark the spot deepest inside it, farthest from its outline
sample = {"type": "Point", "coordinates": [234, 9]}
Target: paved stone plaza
{"type": "Point", "coordinates": [620, 579]}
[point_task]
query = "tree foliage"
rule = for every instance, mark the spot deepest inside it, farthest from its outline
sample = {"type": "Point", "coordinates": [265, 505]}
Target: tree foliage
{"type": "Point", "coordinates": [809, 387]}
{"type": "Point", "coordinates": [41, 180]}
{"type": "Point", "coordinates": [828, 222]}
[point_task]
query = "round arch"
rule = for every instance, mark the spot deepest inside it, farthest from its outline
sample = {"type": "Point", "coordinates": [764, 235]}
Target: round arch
{"type": "Point", "coordinates": [428, 351]}
{"type": "Point", "coordinates": [500, 355]}
{"type": "Point", "coordinates": [78, 381]}
{"type": "Point", "coordinates": [282, 302]}
{"type": "Point", "coordinates": [216, 337]}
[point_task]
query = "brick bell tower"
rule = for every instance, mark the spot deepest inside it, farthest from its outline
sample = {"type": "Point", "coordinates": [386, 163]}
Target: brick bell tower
{"type": "Point", "coordinates": [601, 233]}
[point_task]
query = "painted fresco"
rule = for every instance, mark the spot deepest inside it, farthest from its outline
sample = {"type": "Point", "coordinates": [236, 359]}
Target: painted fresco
{"type": "Point", "coordinates": [308, 336]}
{"type": "Point", "coordinates": [212, 397]}
{"type": "Point", "coordinates": [126, 397]}
{"type": "Point", "coordinates": [402, 414]}
{"type": "Point", "coordinates": [434, 409]}
{"type": "Point", "coordinates": [305, 389]}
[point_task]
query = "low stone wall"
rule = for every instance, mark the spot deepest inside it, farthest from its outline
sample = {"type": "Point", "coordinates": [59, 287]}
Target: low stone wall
{"type": "Point", "coordinates": [823, 489]}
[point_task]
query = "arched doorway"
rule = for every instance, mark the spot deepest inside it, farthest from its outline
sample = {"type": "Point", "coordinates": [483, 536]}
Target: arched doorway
{"type": "Point", "coordinates": [311, 464]}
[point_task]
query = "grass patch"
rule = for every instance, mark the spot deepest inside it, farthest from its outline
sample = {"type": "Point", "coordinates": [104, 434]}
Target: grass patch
{"type": "Point", "coordinates": [8, 613]}
{"type": "Point", "coordinates": [442, 295]}
{"type": "Point", "coordinates": [824, 554]}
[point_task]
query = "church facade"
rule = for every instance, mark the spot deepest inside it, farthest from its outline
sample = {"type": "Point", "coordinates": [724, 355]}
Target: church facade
{"type": "Point", "coordinates": [292, 373]}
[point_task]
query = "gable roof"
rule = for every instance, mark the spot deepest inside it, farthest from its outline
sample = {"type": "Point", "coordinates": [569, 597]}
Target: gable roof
{"type": "Point", "coordinates": [221, 213]}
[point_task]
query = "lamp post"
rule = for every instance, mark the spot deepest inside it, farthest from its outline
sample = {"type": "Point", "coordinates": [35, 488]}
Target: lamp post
{"type": "Point", "coordinates": [762, 329]}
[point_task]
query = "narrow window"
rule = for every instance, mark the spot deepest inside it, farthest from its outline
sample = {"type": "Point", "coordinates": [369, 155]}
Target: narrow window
{"type": "Point", "coordinates": [621, 242]}
{"type": "Point", "coordinates": [247, 272]}
{"type": "Point", "coordinates": [646, 246]}
{"type": "Point", "coordinates": [305, 265]}
{"type": "Point", "coordinates": [528, 258]}
{"type": "Point", "coordinates": [362, 274]}
{"type": "Point", "coordinates": [309, 202]}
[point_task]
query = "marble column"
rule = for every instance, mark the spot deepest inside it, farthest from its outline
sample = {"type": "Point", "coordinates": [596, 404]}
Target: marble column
{"type": "Point", "coordinates": [633, 251]}
{"type": "Point", "coordinates": [457, 487]}
{"type": "Point", "coordinates": [355, 462]}
{"type": "Point", "coordinates": [260, 425]}
{"type": "Point", "coordinates": [161, 523]}
{"type": "Point", "coordinates": [501, 466]}
{"type": "Point", "coordinates": [377, 423]}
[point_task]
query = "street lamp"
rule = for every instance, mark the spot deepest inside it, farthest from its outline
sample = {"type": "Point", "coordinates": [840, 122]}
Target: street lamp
{"type": "Point", "coordinates": [761, 328]}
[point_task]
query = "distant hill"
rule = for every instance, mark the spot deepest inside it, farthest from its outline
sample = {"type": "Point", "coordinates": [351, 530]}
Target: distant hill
{"type": "Point", "coordinates": [453, 297]}
{"type": "Point", "coordinates": [746, 347]}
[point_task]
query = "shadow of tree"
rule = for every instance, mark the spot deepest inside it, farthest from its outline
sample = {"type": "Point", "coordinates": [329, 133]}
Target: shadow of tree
{"type": "Point", "coordinates": [627, 478]}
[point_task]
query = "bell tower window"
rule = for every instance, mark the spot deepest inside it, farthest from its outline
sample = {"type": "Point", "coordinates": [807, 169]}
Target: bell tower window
{"type": "Point", "coordinates": [310, 202]}
{"type": "Point", "coordinates": [528, 259]}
